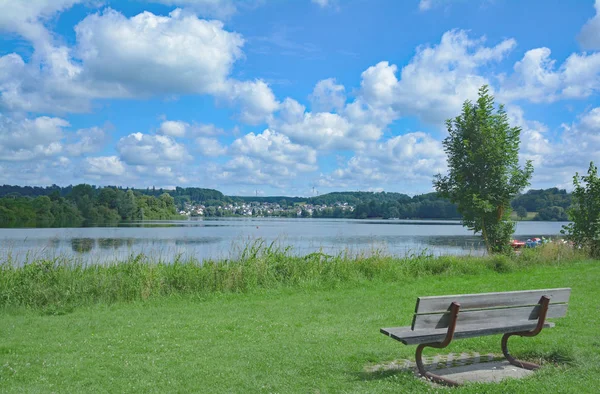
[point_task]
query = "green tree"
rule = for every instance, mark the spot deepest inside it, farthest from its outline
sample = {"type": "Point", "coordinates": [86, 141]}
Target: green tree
{"type": "Point", "coordinates": [521, 212]}
{"type": "Point", "coordinates": [585, 212]}
{"type": "Point", "coordinates": [484, 172]}
{"type": "Point", "coordinates": [127, 205]}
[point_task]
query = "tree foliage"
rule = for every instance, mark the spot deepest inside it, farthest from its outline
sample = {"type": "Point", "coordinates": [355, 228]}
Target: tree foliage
{"type": "Point", "coordinates": [484, 172]}
{"type": "Point", "coordinates": [585, 212]}
{"type": "Point", "coordinates": [83, 205]}
{"type": "Point", "coordinates": [521, 212]}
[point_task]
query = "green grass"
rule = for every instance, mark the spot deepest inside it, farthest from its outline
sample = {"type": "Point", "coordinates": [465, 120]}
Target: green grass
{"type": "Point", "coordinates": [301, 335]}
{"type": "Point", "coordinates": [57, 286]}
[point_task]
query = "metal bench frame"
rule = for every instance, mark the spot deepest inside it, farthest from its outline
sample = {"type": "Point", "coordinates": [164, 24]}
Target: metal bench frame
{"type": "Point", "coordinates": [454, 310]}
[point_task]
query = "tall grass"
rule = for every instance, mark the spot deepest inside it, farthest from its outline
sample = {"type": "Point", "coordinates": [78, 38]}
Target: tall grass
{"type": "Point", "coordinates": [59, 285]}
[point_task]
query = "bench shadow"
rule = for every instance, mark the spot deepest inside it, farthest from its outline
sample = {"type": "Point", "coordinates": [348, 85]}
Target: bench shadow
{"type": "Point", "coordinates": [557, 357]}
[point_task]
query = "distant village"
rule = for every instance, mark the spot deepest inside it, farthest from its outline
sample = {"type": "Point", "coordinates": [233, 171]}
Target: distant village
{"type": "Point", "coordinates": [264, 209]}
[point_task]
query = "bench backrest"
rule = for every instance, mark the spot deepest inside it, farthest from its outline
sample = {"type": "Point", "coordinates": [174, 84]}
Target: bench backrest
{"type": "Point", "coordinates": [489, 309]}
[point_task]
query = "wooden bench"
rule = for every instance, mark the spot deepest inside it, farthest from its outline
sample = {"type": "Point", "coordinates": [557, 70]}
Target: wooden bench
{"type": "Point", "coordinates": [438, 320]}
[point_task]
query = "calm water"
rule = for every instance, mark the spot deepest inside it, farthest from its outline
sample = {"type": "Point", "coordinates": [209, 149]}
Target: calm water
{"type": "Point", "coordinates": [223, 238]}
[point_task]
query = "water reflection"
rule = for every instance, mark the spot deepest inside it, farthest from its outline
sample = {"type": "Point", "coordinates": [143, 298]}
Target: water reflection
{"type": "Point", "coordinates": [82, 245]}
{"type": "Point", "coordinates": [115, 243]}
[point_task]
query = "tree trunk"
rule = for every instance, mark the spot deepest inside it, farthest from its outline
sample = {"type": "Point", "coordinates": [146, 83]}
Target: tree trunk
{"type": "Point", "coordinates": [484, 235]}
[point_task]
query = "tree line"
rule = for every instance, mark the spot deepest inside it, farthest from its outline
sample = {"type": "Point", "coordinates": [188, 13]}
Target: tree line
{"type": "Point", "coordinates": [79, 206]}
{"type": "Point", "coordinates": [109, 204]}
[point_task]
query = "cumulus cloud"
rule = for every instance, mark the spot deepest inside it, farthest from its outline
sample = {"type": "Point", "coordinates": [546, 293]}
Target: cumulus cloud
{"type": "Point", "coordinates": [26, 17]}
{"type": "Point", "coordinates": [87, 141]}
{"type": "Point", "coordinates": [276, 148]}
{"type": "Point", "coordinates": [28, 139]}
{"type": "Point", "coordinates": [589, 37]}
{"type": "Point", "coordinates": [268, 158]}
{"type": "Point", "coordinates": [149, 53]}
{"type": "Point", "coordinates": [146, 149]}
{"type": "Point", "coordinates": [536, 77]}
{"type": "Point", "coordinates": [322, 130]}
{"type": "Point", "coordinates": [255, 98]}
{"type": "Point", "coordinates": [440, 78]}
{"type": "Point", "coordinates": [412, 158]}
{"type": "Point", "coordinates": [209, 147]}
{"type": "Point", "coordinates": [535, 143]}
{"type": "Point", "coordinates": [327, 96]}
{"type": "Point", "coordinates": [243, 170]}
{"type": "Point", "coordinates": [140, 56]}
{"type": "Point", "coordinates": [173, 128]}
{"type": "Point", "coordinates": [104, 165]}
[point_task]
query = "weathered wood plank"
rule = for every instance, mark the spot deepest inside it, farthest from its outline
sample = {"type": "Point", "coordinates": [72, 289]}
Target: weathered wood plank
{"type": "Point", "coordinates": [487, 317]}
{"type": "Point", "coordinates": [410, 337]}
{"type": "Point", "coordinates": [489, 300]}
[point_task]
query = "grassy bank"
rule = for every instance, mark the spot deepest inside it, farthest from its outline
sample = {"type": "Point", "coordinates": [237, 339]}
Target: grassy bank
{"type": "Point", "coordinates": [57, 286]}
{"type": "Point", "coordinates": [312, 337]}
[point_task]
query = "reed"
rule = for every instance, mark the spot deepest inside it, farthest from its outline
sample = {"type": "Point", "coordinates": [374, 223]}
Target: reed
{"type": "Point", "coordinates": [60, 284]}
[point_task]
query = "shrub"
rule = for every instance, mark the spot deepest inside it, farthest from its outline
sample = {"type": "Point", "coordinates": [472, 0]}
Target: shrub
{"type": "Point", "coordinates": [584, 232]}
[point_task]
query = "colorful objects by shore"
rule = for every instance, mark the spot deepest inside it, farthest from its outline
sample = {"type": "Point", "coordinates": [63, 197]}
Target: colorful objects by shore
{"type": "Point", "coordinates": [529, 243]}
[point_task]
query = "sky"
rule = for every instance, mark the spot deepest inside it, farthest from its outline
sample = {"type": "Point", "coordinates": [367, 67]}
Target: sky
{"type": "Point", "coordinates": [298, 97]}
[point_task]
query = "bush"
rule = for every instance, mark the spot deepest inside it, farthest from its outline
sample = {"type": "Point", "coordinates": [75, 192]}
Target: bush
{"type": "Point", "coordinates": [584, 232]}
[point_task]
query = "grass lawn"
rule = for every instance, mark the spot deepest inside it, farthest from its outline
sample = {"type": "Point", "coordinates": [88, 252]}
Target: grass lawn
{"type": "Point", "coordinates": [530, 216]}
{"type": "Point", "coordinates": [293, 339]}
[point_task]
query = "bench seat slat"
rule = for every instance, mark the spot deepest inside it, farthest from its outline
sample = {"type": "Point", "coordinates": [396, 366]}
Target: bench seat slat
{"type": "Point", "coordinates": [496, 317]}
{"type": "Point", "coordinates": [488, 300]}
{"type": "Point", "coordinates": [410, 337]}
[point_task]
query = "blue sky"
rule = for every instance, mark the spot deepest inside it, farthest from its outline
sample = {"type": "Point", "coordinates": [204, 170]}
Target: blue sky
{"type": "Point", "coordinates": [287, 97]}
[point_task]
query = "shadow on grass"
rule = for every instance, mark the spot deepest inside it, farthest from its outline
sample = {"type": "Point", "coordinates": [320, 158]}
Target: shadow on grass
{"type": "Point", "coordinates": [560, 357]}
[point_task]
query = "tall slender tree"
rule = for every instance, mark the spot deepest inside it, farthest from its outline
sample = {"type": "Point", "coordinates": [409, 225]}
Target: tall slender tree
{"type": "Point", "coordinates": [484, 172]}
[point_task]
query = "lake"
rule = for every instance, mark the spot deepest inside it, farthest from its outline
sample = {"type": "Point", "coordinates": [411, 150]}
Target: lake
{"type": "Point", "coordinates": [223, 238]}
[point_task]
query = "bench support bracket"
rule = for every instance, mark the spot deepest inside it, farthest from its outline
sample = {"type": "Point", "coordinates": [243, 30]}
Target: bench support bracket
{"type": "Point", "coordinates": [544, 302]}
{"type": "Point", "coordinates": [454, 307]}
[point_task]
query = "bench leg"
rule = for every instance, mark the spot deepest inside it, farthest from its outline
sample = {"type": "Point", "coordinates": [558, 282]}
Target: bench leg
{"type": "Point", "coordinates": [454, 307]}
{"type": "Point", "coordinates": [428, 374]}
{"type": "Point", "coordinates": [544, 302]}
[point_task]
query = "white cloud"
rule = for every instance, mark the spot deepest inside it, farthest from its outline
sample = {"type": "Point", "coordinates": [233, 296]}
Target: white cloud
{"type": "Point", "coordinates": [433, 86]}
{"type": "Point", "coordinates": [255, 98]}
{"type": "Point", "coordinates": [141, 56]}
{"type": "Point", "coordinates": [104, 165]}
{"type": "Point", "coordinates": [207, 130]}
{"type": "Point", "coordinates": [589, 37]}
{"type": "Point", "coordinates": [327, 96]}
{"type": "Point", "coordinates": [243, 170]}
{"type": "Point", "coordinates": [268, 158]}
{"type": "Point", "coordinates": [173, 128]}
{"type": "Point", "coordinates": [379, 83]}
{"type": "Point", "coordinates": [439, 79]}
{"type": "Point", "coordinates": [209, 147]}
{"type": "Point", "coordinates": [535, 143]}
{"type": "Point", "coordinates": [145, 149]}
{"type": "Point", "coordinates": [26, 17]}
{"type": "Point", "coordinates": [151, 54]}
{"type": "Point", "coordinates": [557, 158]}
{"type": "Point", "coordinates": [537, 79]}
{"type": "Point", "coordinates": [322, 130]}
{"type": "Point", "coordinates": [28, 139]}
{"type": "Point", "coordinates": [88, 141]}
{"type": "Point", "coordinates": [275, 148]}
{"type": "Point", "coordinates": [411, 158]}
